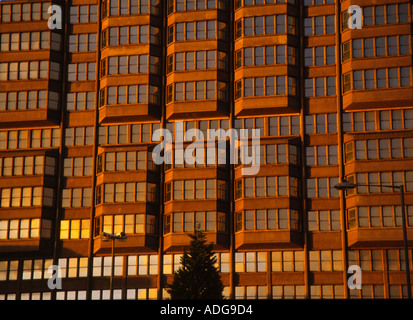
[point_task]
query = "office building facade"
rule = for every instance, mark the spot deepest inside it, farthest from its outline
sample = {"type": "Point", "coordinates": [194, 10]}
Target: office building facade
{"type": "Point", "coordinates": [80, 103]}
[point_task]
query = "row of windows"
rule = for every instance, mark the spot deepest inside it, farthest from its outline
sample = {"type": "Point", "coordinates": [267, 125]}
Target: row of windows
{"type": "Point", "coordinates": [129, 161]}
{"type": "Point", "coordinates": [368, 260]}
{"type": "Point", "coordinates": [128, 223]}
{"type": "Point", "coordinates": [129, 7]}
{"type": "Point", "coordinates": [267, 219]}
{"type": "Point", "coordinates": [136, 265]}
{"type": "Point", "coordinates": [380, 15]}
{"type": "Point", "coordinates": [266, 187]}
{"type": "Point", "coordinates": [79, 136]}
{"type": "Point", "coordinates": [81, 71]}
{"type": "Point", "coordinates": [317, 2]}
{"type": "Point", "coordinates": [133, 94]}
{"type": "Point", "coordinates": [321, 155]}
{"type": "Point", "coordinates": [324, 220]}
{"type": "Point", "coordinates": [319, 56]}
{"type": "Point", "coordinates": [315, 123]}
{"type": "Point", "coordinates": [196, 90]}
{"type": "Point", "coordinates": [74, 229]}
{"type": "Point", "coordinates": [378, 217]}
{"type": "Point", "coordinates": [204, 157]}
{"type": "Point", "coordinates": [78, 167]}
{"type": "Point", "coordinates": [82, 42]}
{"type": "Point", "coordinates": [268, 55]}
{"type": "Point", "coordinates": [200, 220]}
{"type": "Point", "coordinates": [287, 261]}
{"type": "Point", "coordinates": [379, 149]}
{"type": "Point", "coordinates": [30, 41]}
{"type": "Point", "coordinates": [196, 189]}
{"type": "Point", "coordinates": [378, 120]}
{"type": "Point", "coordinates": [83, 14]}
{"type": "Point", "coordinates": [34, 99]}
{"type": "Point", "coordinates": [325, 260]}
{"type": "Point", "coordinates": [36, 138]}
{"type": "Point", "coordinates": [76, 198]}
{"type": "Point", "coordinates": [336, 291]}
{"type": "Point", "coordinates": [368, 291]}
{"type": "Point", "coordinates": [28, 165]}
{"type": "Point", "coordinates": [80, 101]}
{"type": "Point", "coordinates": [248, 3]}
{"type": "Point", "coordinates": [29, 70]}
{"type": "Point", "coordinates": [365, 120]}
{"type": "Point", "coordinates": [385, 178]}
{"type": "Point", "coordinates": [135, 133]}
{"type": "Point", "coordinates": [197, 60]}
{"type": "Point", "coordinates": [200, 30]}
{"type": "Point", "coordinates": [265, 86]}
{"type": "Point", "coordinates": [126, 192]}
{"type": "Point", "coordinates": [25, 12]}
{"type": "Point", "coordinates": [265, 25]}
{"type": "Point", "coordinates": [296, 291]}
{"type": "Point", "coordinates": [129, 65]}
{"type": "Point", "coordinates": [272, 126]}
{"type": "Point", "coordinates": [250, 261]}
{"type": "Point", "coordinates": [320, 87]}
{"type": "Point", "coordinates": [319, 25]}
{"type": "Point", "coordinates": [372, 260]}
{"type": "Point", "coordinates": [322, 188]}
{"type": "Point", "coordinates": [277, 154]}
{"type": "Point", "coordinates": [25, 229]}
{"type": "Point", "coordinates": [376, 79]}
{"type": "Point", "coordinates": [268, 154]}
{"type": "Point", "coordinates": [81, 295]}
{"type": "Point", "coordinates": [190, 5]}
{"type": "Point", "coordinates": [26, 197]}
{"type": "Point", "coordinates": [115, 36]}
{"type": "Point", "coordinates": [376, 47]}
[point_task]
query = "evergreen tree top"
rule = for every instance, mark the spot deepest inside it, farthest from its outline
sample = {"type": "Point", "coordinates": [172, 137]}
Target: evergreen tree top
{"type": "Point", "coordinates": [197, 278]}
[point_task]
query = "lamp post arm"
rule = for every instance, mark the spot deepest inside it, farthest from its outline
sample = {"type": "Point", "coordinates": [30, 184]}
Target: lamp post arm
{"type": "Point", "coordinates": [380, 185]}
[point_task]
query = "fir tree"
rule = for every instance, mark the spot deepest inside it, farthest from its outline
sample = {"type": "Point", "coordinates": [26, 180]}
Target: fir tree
{"type": "Point", "coordinates": [197, 278]}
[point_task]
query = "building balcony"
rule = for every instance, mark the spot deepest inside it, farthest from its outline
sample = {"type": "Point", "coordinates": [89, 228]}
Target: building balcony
{"type": "Point", "coordinates": [141, 19]}
{"type": "Point", "coordinates": [127, 113]}
{"type": "Point", "coordinates": [179, 241]}
{"type": "Point", "coordinates": [268, 239]}
{"type": "Point", "coordinates": [378, 237]}
{"type": "Point", "coordinates": [134, 243]}
{"type": "Point", "coordinates": [259, 10]}
{"type": "Point", "coordinates": [141, 103]}
{"type": "Point", "coordinates": [371, 99]}
{"type": "Point", "coordinates": [78, 247]}
{"type": "Point", "coordinates": [270, 105]}
{"type": "Point", "coordinates": [22, 118]}
{"type": "Point", "coordinates": [36, 245]}
{"type": "Point", "coordinates": [197, 109]}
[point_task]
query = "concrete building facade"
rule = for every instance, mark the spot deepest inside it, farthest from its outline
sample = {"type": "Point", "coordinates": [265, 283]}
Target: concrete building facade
{"type": "Point", "coordinates": [79, 106]}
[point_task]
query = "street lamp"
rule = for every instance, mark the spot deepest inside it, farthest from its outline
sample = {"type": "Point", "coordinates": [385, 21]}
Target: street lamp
{"type": "Point", "coordinates": [347, 185]}
{"type": "Point", "coordinates": [121, 236]}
